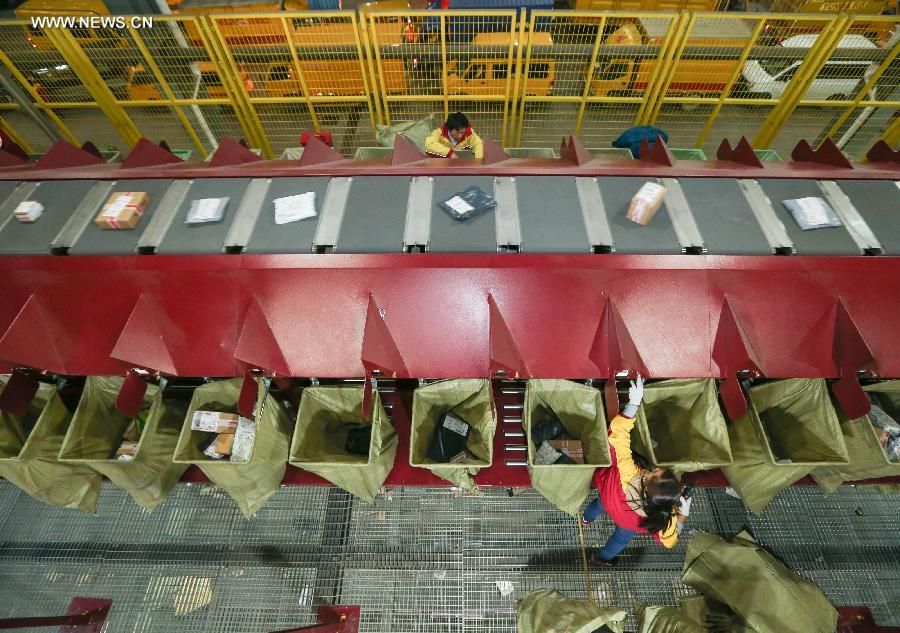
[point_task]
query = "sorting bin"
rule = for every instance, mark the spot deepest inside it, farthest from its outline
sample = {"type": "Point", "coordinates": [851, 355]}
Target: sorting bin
{"type": "Point", "coordinates": [529, 152]}
{"type": "Point", "coordinates": [867, 457]}
{"type": "Point", "coordinates": [580, 409]}
{"type": "Point", "coordinates": [681, 427]}
{"type": "Point", "coordinates": [470, 399]}
{"type": "Point", "coordinates": [29, 446]}
{"type": "Point", "coordinates": [249, 483]}
{"type": "Point", "coordinates": [324, 420]}
{"type": "Point", "coordinates": [96, 433]}
{"type": "Point", "coordinates": [798, 416]}
{"type": "Point", "coordinates": [687, 153]}
{"type": "Point", "coordinates": [373, 153]}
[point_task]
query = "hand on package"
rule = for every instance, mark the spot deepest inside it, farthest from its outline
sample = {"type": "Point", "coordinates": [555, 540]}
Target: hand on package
{"type": "Point", "coordinates": [636, 391]}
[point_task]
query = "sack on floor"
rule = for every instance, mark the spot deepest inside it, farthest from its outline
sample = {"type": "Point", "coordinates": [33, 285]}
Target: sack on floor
{"type": "Point", "coordinates": [251, 482]}
{"type": "Point", "coordinates": [99, 431]}
{"type": "Point", "coordinates": [414, 131]}
{"type": "Point", "coordinates": [790, 428]}
{"type": "Point", "coordinates": [680, 426]}
{"type": "Point", "coordinates": [472, 402]}
{"type": "Point", "coordinates": [761, 589]}
{"type": "Point", "coordinates": [579, 411]}
{"type": "Point", "coordinates": [867, 456]}
{"type": "Point", "coordinates": [330, 440]}
{"type": "Point", "coordinates": [29, 448]}
{"type": "Point", "coordinates": [666, 620]}
{"type": "Point", "coordinates": [549, 611]}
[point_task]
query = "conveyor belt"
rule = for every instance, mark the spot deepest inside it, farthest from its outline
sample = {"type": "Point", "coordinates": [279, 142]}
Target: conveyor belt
{"type": "Point", "coordinates": [60, 199]}
{"type": "Point", "coordinates": [384, 214]}
{"type": "Point", "coordinates": [476, 235]}
{"type": "Point", "coordinates": [550, 215]}
{"type": "Point", "coordinates": [295, 237]}
{"type": "Point", "coordinates": [375, 215]}
{"type": "Point", "coordinates": [829, 241]}
{"type": "Point", "coordinates": [657, 238]}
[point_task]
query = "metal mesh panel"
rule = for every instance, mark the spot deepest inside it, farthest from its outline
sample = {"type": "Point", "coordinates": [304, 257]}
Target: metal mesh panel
{"type": "Point", "coordinates": [543, 124]}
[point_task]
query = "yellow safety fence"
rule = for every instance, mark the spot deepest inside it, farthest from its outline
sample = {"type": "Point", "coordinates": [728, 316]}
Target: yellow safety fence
{"type": "Point", "coordinates": [523, 81]}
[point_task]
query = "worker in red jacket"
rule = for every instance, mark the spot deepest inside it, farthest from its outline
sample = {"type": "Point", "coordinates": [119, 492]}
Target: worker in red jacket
{"type": "Point", "coordinates": [638, 501]}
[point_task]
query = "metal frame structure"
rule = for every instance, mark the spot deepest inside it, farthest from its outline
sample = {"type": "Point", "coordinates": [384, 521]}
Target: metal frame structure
{"type": "Point", "coordinates": [511, 116]}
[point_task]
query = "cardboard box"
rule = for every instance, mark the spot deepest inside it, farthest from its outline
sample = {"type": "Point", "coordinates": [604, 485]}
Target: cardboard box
{"type": "Point", "coordinates": [214, 422]}
{"type": "Point", "coordinates": [572, 448]}
{"type": "Point", "coordinates": [645, 203]}
{"type": "Point", "coordinates": [123, 210]}
{"type": "Point", "coordinates": [224, 443]}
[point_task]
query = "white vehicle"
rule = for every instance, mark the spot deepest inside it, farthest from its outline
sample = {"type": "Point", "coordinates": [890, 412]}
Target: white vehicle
{"type": "Point", "coordinates": [839, 79]}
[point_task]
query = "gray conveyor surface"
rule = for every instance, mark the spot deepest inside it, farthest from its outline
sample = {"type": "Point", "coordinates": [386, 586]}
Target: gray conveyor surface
{"type": "Point", "coordinates": [476, 235]}
{"type": "Point", "coordinates": [656, 238]}
{"type": "Point", "coordinates": [96, 241]}
{"type": "Point", "coordinates": [878, 202]}
{"type": "Point", "coordinates": [725, 219]}
{"type": "Point", "coordinates": [550, 217]}
{"type": "Point", "coordinates": [827, 241]}
{"type": "Point", "coordinates": [294, 237]}
{"type": "Point", "coordinates": [60, 199]}
{"type": "Point", "coordinates": [375, 215]}
{"type": "Point", "coordinates": [205, 238]}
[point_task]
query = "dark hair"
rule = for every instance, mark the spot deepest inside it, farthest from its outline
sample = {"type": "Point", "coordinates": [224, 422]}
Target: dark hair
{"type": "Point", "coordinates": [457, 121]}
{"type": "Point", "coordinates": [659, 498]}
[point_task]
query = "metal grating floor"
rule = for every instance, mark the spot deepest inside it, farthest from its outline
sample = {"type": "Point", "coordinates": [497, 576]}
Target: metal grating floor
{"type": "Point", "coordinates": [418, 560]}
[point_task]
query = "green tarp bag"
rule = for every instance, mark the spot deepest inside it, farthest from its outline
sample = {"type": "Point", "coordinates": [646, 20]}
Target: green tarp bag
{"type": "Point", "coordinates": [666, 620]}
{"type": "Point", "coordinates": [580, 409]}
{"type": "Point", "coordinates": [29, 446]}
{"type": "Point", "coordinates": [714, 616]}
{"type": "Point", "coordinates": [549, 611]}
{"type": "Point", "coordinates": [755, 585]}
{"type": "Point", "coordinates": [681, 427]}
{"type": "Point", "coordinates": [786, 418]}
{"type": "Point", "coordinates": [867, 457]}
{"type": "Point", "coordinates": [249, 483]}
{"type": "Point", "coordinates": [324, 420]}
{"type": "Point", "coordinates": [471, 400]}
{"type": "Point", "coordinates": [415, 131]}
{"type": "Point", "coordinates": [96, 432]}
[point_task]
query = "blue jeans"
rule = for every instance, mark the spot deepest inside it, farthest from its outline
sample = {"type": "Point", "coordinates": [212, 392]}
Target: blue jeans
{"type": "Point", "coordinates": [620, 537]}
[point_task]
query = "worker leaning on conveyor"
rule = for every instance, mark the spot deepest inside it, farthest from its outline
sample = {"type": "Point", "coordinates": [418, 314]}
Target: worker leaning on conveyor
{"type": "Point", "coordinates": [454, 135]}
{"type": "Point", "coordinates": [638, 501]}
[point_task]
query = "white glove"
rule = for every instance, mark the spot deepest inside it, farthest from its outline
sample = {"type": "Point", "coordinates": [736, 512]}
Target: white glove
{"type": "Point", "coordinates": [685, 508]}
{"type": "Point", "coordinates": [636, 391]}
{"type": "Point", "coordinates": [635, 395]}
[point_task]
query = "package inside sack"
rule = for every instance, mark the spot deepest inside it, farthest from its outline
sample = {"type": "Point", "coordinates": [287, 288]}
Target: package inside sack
{"type": "Point", "coordinates": [223, 435]}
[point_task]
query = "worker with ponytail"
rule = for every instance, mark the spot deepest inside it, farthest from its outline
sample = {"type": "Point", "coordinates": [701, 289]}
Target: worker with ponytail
{"type": "Point", "coordinates": [638, 501]}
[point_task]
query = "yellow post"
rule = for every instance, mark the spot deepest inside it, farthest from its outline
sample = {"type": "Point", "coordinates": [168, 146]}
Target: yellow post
{"type": "Point", "coordinates": [238, 90]}
{"type": "Point", "coordinates": [731, 81]}
{"type": "Point", "coordinates": [15, 136]}
{"type": "Point", "coordinates": [376, 45]}
{"type": "Point", "coordinates": [444, 87]}
{"type": "Point", "coordinates": [525, 70]}
{"type": "Point", "coordinates": [827, 41]}
{"type": "Point", "coordinates": [360, 54]}
{"type": "Point", "coordinates": [589, 76]}
{"type": "Point", "coordinates": [370, 54]}
{"type": "Point", "coordinates": [865, 90]}
{"type": "Point", "coordinates": [151, 63]}
{"type": "Point", "coordinates": [509, 73]}
{"type": "Point", "coordinates": [39, 101]}
{"type": "Point", "coordinates": [296, 61]}
{"type": "Point", "coordinates": [891, 135]}
{"type": "Point", "coordinates": [68, 47]}
{"type": "Point", "coordinates": [673, 55]}
{"type": "Point", "coordinates": [514, 99]}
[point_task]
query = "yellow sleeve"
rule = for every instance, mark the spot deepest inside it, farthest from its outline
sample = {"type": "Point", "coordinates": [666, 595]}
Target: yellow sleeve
{"type": "Point", "coordinates": [620, 439]}
{"type": "Point", "coordinates": [433, 144]}
{"type": "Point", "coordinates": [669, 536]}
{"type": "Point", "coordinates": [476, 144]}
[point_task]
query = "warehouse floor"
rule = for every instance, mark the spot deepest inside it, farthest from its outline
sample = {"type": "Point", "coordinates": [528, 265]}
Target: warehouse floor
{"type": "Point", "coordinates": [419, 560]}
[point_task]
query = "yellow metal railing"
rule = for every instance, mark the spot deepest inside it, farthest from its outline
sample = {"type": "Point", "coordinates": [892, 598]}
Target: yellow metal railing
{"type": "Point", "coordinates": [267, 77]}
